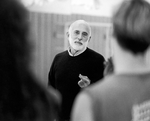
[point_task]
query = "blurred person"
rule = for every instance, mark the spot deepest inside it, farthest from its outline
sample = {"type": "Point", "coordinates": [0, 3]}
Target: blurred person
{"type": "Point", "coordinates": [125, 95]}
{"type": "Point", "coordinates": [22, 97]}
{"type": "Point", "coordinates": [109, 68]}
{"type": "Point", "coordinates": [75, 68]}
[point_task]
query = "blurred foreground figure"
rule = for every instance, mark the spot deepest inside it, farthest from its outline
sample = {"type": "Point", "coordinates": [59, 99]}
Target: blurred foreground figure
{"type": "Point", "coordinates": [108, 66]}
{"type": "Point", "coordinates": [22, 98]}
{"type": "Point", "coordinates": [125, 94]}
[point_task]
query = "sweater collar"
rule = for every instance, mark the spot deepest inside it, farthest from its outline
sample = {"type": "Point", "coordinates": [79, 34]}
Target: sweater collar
{"type": "Point", "coordinates": [76, 53]}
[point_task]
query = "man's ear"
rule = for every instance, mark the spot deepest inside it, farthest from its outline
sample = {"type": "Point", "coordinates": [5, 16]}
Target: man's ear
{"type": "Point", "coordinates": [89, 38]}
{"type": "Point", "coordinates": [67, 33]}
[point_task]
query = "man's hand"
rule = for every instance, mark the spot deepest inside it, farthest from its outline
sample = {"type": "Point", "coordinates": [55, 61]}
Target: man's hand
{"type": "Point", "coordinates": [84, 82]}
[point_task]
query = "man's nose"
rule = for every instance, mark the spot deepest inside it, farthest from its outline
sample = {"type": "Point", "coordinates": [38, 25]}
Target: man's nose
{"type": "Point", "coordinates": [80, 36]}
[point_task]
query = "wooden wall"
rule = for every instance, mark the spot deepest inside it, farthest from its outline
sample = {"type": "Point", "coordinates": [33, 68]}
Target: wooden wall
{"type": "Point", "coordinates": [49, 31]}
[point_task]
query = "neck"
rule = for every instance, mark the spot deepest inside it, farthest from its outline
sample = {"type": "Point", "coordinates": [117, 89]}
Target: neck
{"type": "Point", "coordinates": [73, 51]}
{"type": "Point", "coordinates": [76, 52]}
{"type": "Point", "coordinates": [131, 65]}
{"type": "Point", "coordinates": [126, 62]}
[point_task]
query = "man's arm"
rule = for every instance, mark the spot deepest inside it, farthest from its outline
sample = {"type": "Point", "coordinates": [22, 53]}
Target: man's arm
{"type": "Point", "coordinates": [99, 70]}
{"type": "Point", "coordinates": [51, 76]}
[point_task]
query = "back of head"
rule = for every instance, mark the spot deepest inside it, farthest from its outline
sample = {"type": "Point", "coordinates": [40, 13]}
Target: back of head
{"type": "Point", "coordinates": [131, 25]}
{"type": "Point", "coordinates": [14, 28]}
{"type": "Point", "coordinates": [21, 97]}
{"type": "Point", "coordinates": [14, 46]}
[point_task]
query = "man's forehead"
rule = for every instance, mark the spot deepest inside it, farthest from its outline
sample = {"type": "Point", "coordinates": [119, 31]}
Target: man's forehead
{"type": "Point", "coordinates": [79, 23]}
{"type": "Point", "coordinates": [80, 27]}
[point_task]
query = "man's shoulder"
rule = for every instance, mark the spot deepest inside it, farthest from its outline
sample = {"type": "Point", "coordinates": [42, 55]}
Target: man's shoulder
{"type": "Point", "coordinates": [95, 54]}
{"type": "Point", "coordinates": [60, 56]}
{"type": "Point", "coordinates": [62, 53]}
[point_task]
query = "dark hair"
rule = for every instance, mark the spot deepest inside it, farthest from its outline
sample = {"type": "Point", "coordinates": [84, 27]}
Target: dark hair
{"type": "Point", "coordinates": [22, 98]}
{"type": "Point", "coordinates": [131, 24]}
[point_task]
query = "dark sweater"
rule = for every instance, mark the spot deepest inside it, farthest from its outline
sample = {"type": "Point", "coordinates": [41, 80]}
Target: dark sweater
{"type": "Point", "coordinates": [64, 74]}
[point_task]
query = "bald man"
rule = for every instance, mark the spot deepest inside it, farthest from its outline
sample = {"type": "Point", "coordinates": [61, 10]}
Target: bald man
{"type": "Point", "coordinates": [75, 68]}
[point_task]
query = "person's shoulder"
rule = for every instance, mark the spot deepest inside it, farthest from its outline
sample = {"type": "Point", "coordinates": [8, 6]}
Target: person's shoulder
{"type": "Point", "coordinates": [95, 54]}
{"type": "Point", "coordinates": [104, 84]}
{"type": "Point", "coordinates": [61, 54]}
{"type": "Point", "coordinates": [92, 51]}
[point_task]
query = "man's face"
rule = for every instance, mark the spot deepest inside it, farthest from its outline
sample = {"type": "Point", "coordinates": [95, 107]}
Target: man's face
{"type": "Point", "coordinates": [79, 36]}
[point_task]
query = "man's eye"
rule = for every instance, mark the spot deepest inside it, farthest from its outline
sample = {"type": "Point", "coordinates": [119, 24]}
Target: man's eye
{"type": "Point", "coordinates": [85, 34]}
{"type": "Point", "coordinates": [76, 32]}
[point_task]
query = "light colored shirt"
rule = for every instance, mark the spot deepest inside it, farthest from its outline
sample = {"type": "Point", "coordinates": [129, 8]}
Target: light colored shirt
{"type": "Point", "coordinates": [76, 53]}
